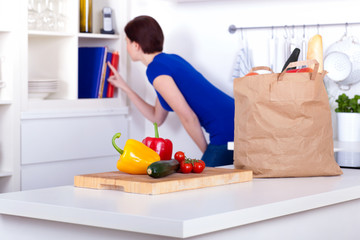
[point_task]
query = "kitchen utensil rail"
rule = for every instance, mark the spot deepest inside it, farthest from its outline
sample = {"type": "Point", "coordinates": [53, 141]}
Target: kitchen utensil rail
{"type": "Point", "coordinates": [233, 28]}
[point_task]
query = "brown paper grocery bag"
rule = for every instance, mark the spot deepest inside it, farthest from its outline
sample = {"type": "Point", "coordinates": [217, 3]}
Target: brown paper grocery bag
{"type": "Point", "coordinates": [283, 124]}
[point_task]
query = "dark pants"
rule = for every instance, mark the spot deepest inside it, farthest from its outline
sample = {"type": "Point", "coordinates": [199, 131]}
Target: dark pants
{"type": "Point", "coordinates": [218, 155]}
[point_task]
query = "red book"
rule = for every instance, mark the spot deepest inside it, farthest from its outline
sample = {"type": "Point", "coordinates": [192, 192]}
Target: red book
{"type": "Point", "coordinates": [115, 63]}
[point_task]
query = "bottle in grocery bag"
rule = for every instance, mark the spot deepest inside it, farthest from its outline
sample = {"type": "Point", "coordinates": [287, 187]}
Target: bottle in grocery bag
{"type": "Point", "coordinates": [315, 51]}
{"type": "Point", "coordinates": [86, 16]}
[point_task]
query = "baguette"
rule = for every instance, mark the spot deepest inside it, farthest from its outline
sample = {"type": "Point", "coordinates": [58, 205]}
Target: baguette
{"type": "Point", "coordinates": [315, 51]}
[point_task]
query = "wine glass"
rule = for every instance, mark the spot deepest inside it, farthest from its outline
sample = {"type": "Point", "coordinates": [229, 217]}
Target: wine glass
{"type": "Point", "coordinates": [32, 15]}
{"type": "Point", "coordinates": [61, 16]}
{"type": "Point", "coordinates": [39, 8]}
{"type": "Point", "coordinates": [48, 16]}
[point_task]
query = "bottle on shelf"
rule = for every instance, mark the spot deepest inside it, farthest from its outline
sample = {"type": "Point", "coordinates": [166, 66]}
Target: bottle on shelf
{"type": "Point", "coordinates": [86, 16]}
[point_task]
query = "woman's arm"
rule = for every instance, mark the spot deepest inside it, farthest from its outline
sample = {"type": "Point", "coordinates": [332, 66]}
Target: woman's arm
{"type": "Point", "coordinates": [153, 113]}
{"type": "Point", "coordinates": [166, 86]}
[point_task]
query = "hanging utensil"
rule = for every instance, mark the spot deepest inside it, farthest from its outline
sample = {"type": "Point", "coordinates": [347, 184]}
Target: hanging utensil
{"type": "Point", "coordinates": [338, 66]}
{"type": "Point", "coordinates": [303, 45]}
{"type": "Point", "coordinates": [293, 58]}
{"type": "Point", "coordinates": [286, 43]}
{"type": "Point", "coordinates": [292, 43]}
{"type": "Point", "coordinates": [349, 46]}
{"type": "Point", "coordinates": [249, 57]}
{"type": "Point", "coordinates": [272, 51]}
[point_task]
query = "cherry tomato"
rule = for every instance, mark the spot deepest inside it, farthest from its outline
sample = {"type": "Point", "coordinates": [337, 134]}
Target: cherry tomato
{"type": "Point", "coordinates": [198, 166]}
{"type": "Point", "coordinates": [186, 166]}
{"type": "Point", "coordinates": [180, 156]}
{"type": "Point", "coordinates": [202, 162]}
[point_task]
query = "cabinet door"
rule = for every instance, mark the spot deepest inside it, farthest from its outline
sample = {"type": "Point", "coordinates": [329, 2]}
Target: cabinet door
{"type": "Point", "coordinates": [62, 139]}
{"type": "Point", "coordinates": [54, 150]}
{"type": "Point", "coordinates": [61, 173]}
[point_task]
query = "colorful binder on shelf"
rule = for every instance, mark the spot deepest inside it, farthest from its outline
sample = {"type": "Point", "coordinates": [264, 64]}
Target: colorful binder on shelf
{"type": "Point", "coordinates": [91, 62]}
{"type": "Point", "coordinates": [115, 62]}
{"type": "Point", "coordinates": [105, 76]}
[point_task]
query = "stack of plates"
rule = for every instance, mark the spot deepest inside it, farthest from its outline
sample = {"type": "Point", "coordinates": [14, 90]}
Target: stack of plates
{"type": "Point", "coordinates": [42, 88]}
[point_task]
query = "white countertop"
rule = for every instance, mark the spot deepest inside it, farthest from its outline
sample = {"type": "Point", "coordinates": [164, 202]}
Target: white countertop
{"type": "Point", "coordinates": [187, 213]}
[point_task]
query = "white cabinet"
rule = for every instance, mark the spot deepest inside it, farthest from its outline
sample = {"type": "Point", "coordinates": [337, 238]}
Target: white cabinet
{"type": "Point", "coordinates": [79, 129]}
{"type": "Point", "coordinates": [9, 52]}
{"type": "Point", "coordinates": [56, 147]}
{"type": "Point", "coordinates": [62, 137]}
{"type": "Point", "coordinates": [54, 54]}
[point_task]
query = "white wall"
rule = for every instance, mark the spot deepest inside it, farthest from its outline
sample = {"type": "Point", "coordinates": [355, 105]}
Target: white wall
{"type": "Point", "coordinates": [199, 32]}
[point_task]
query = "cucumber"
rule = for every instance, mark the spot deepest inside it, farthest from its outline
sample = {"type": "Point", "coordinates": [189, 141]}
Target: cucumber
{"type": "Point", "coordinates": [162, 168]}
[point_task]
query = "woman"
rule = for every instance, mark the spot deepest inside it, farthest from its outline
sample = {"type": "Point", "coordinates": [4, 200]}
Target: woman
{"type": "Point", "coordinates": [180, 88]}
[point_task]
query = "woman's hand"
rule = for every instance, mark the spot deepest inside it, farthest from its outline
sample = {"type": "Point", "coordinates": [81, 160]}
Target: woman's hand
{"type": "Point", "coordinates": [116, 79]}
{"type": "Point", "coordinates": [153, 113]}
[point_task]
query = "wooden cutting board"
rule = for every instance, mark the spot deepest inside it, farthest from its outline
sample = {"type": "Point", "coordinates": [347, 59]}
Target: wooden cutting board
{"type": "Point", "coordinates": [145, 184]}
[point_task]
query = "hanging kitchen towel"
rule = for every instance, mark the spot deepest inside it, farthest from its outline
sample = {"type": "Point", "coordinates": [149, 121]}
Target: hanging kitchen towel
{"type": "Point", "coordinates": [242, 63]}
{"type": "Point", "coordinates": [283, 124]}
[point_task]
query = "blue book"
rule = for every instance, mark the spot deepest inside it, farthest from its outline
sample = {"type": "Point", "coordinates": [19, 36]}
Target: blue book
{"type": "Point", "coordinates": [91, 60]}
{"type": "Point", "coordinates": [107, 73]}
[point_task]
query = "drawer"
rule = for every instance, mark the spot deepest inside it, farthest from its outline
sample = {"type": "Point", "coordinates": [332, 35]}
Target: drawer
{"type": "Point", "coordinates": [62, 172]}
{"type": "Point", "coordinates": [60, 138]}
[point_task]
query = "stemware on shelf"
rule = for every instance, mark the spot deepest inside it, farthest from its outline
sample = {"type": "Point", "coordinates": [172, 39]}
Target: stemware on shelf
{"type": "Point", "coordinates": [47, 15]}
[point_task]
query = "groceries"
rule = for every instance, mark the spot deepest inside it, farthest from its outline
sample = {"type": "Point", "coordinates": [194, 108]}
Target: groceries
{"type": "Point", "coordinates": [315, 50]}
{"type": "Point", "coordinates": [136, 156]}
{"type": "Point", "coordinates": [283, 124]}
{"type": "Point", "coordinates": [188, 165]}
{"type": "Point", "coordinates": [144, 184]}
{"type": "Point", "coordinates": [163, 147]}
{"type": "Point", "coordinates": [163, 168]}
{"type": "Point", "coordinates": [141, 158]}
{"type": "Point", "coordinates": [293, 58]}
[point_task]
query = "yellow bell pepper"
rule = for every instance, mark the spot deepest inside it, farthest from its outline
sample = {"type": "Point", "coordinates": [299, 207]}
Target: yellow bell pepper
{"type": "Point", "coordinates": [136, 156]}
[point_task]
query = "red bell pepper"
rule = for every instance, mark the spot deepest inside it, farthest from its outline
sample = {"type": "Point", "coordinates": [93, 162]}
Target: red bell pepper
{"type": "Point", "coordinates": [163, 147]}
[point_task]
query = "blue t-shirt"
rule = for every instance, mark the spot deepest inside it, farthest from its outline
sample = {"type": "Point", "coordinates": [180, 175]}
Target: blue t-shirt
{"type": "Point", "coordinates": [214, 109]}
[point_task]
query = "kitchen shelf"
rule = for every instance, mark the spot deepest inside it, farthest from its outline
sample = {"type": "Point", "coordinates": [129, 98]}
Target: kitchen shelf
{"type": "Point", "coordinates": [49, 34]}
{"type": "Point", "coordinates": [76, 104]}
{"type": "Point", "coordinates": [5, 174]}
{"type": "Point", "coordinates": [80, 35]}
{"type": "Point", "coordinates": [54, 55]}
{"type": "Point", "coordinates": [184, 1]}
{"type": "Point", "coordinates": [4, 29]}
{"type": "Point", "coordinates": [98, 36]}
{"type": "Point", "coordinates": [74, 108]}
{"type": "Point", "coordinates": [5, 102]}
{"type": "Point", "coordinates": [73, 114]}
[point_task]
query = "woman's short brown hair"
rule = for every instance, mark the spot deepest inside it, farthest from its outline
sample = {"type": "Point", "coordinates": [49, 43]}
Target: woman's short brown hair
{"type": "Point", "coordinates": [147, 32]}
